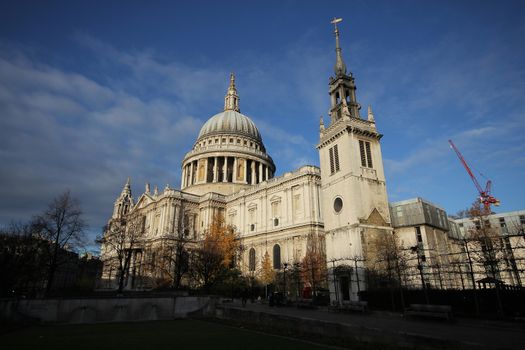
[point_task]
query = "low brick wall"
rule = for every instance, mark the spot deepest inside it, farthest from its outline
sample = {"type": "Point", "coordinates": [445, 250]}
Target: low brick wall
{"type": "Point", "coordinates": [103, 309]}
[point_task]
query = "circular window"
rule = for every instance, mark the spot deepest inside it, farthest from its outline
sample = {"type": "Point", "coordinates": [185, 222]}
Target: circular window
{"type": "Point", "coordinates": [338, 204]}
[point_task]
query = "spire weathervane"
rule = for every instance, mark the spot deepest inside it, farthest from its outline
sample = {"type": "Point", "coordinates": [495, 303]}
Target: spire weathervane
{"type": "Point", "coordinates": [340, 67]}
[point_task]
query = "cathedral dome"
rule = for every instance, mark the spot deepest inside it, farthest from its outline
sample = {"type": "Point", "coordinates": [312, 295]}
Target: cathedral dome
{"type": "Point", "coordinates": [230, 122]}
{"type": "Point", "coordinates": [229, 154]}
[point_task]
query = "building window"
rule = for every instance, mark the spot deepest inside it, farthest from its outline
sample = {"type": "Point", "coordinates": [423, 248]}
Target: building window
{"type": "Point", "coordinates": [251, 260]}
{"type": "Point", "coordinates": [334, 159]}
{"type": "Point", "coordinates": [231, 140]}
{"type": "Point", "coordinates": [366, 154]}
{"type": "Point", "coordinates": [338, 204]}
{"type": "Point", "coordinates": [522, 219]}
{"type": "Point", "coordinates": [276, 256]}
{"type": "Point", "coordinates": [502, 222]}
{"type": "Point", "coordinates": [276, 222]}
{"type": "Point", "coordinates": [419, 237]}
{"type": "Point", "coordinates": [251, 218]}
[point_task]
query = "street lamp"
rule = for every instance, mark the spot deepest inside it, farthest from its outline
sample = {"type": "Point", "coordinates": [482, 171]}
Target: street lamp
{"type": "Point", "coordinates": [415, 249]}
{"type": "Point", "coordinates": [284, 289]}
{"type": "Point", "coordinates": [298, 272]}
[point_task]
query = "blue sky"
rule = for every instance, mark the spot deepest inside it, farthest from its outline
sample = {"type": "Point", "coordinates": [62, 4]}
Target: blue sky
{"type": "Point", "coordinates": [94, 91]}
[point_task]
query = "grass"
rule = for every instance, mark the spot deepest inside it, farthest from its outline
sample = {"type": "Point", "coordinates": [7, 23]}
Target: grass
{"type": "Point", "coordinates": [178, 334]}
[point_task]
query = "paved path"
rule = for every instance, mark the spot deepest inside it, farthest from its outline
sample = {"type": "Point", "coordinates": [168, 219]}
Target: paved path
{"type": "Point", "coordinates": [485, 333]}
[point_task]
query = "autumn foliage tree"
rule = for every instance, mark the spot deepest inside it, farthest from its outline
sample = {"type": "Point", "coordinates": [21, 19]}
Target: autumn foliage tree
{"type": "Point", "coordinates": [313, 265]}
{"type": "Point", "coordinates": [266, 273]}
{"type": "Point", "coordinates": [215, 253]}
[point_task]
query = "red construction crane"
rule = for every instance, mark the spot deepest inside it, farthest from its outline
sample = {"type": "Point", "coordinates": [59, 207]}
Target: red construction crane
{"type": "Point", "coordinates": [484, 194]}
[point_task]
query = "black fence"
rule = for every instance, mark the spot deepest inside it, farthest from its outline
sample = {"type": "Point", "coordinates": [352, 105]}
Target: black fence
{"type": "Point", "coordinates": [479, 302]}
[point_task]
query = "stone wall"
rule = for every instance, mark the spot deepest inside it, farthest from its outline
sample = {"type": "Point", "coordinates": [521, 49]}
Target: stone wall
{"type": "Point", "coordinates": [103, 309]}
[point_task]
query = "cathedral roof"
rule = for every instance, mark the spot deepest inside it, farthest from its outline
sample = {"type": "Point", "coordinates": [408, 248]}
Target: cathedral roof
{"type": "Point", "coordinates": [230, 122]}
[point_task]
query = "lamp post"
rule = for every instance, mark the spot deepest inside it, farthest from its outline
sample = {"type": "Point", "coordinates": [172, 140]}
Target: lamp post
{"type": "Point", "coordinates": [284, 276]}
{"type": "Point", "coordinates": [297, 269]}
{"type": "Point", "coordinates": [415, 249]}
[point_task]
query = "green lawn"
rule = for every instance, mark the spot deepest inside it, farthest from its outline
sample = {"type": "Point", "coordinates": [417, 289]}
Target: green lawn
{"type": "Point", "coordinates": [179, 334]}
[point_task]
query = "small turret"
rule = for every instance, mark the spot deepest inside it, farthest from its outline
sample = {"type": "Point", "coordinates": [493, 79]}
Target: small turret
{"type": "Point", "coordinates": [231, 101]}
{"type": "Point", "coordinates": [124, 202]}
{"type": "Point", "coordinates": [371, 118]}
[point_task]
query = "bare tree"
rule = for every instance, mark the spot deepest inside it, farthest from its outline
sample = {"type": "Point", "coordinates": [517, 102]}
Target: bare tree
{"type": "Point", "coordinates": [62, 225]}
{"type": "Point", "coordinates": [22, 261]}
{"type": "Point", "coordinates": [489, 249]}
{"type": "Point", "coordinates": [175, 251]}
{"type": "Point", "coordinates": [120, 238]}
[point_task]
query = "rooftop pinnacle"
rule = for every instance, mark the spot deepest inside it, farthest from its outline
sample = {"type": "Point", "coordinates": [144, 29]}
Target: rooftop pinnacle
{"type": "Point", "coordinates": [340, 67]}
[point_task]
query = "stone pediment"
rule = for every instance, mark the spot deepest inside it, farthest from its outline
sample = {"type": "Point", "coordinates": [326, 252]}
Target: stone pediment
{"type": "Point", "coordinates": [375, 218]}
{"type": "Point", "coordinates": [144, 200]}
{"type": "Point", "coordinates": [275, 199]}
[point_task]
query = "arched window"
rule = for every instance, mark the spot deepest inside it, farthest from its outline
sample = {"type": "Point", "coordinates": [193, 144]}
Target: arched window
{"type": "Point", "coordinates": [276, 256]}
{"type": "Point", "coordinates": [251, 260]}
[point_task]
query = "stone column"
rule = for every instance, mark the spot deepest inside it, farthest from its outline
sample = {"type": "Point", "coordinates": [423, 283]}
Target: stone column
{"type": "Point", "coordinates": [253, 172]}
{"type": "Point", "coordinates": [225, 170]}
{"type": "Point", "coordinates": [234, 176]}
{"type": "Point", "coordinates": [183, 179]}
{"type": "Point", "coordinates": [191, 174]}
{"type": "Point", "coordinates": [267, 177]}
{"type": "Point", "coordinates": [175, 219]}
{"type": "Point", "coordinates": [246, 171]}
{"type": "Point", "coordinates": [215, 169]}
{"type": "Point", "coordinates": [260, 172]}
{"type": "Point", "coordinates": [206, 170]}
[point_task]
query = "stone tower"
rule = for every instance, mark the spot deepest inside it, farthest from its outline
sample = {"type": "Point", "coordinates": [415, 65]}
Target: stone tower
{"type": "Point", "coordinates": [124, 202]}
{"type": "Point", "coordinates": [354, 197]}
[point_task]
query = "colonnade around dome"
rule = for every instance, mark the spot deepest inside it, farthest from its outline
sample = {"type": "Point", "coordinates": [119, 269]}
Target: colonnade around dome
{"type": "Point", "coordinates": [225, 168]}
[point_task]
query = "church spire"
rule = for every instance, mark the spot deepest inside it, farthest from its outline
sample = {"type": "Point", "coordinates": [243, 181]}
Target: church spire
{"type": "Point", "coordinates": [342, 86]}
{"type": "Point", "coordinates": [231, 101]}
{"type": "Point", "coordinates": [340, 67]}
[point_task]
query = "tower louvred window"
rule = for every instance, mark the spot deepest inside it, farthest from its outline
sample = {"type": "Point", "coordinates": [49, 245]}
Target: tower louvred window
{"type": "Point", "coordinates": [366, 154]}
{"type": "Point", "coordinates": [336, 158]}
{"type": "Point", "coordinates": [332, 168]}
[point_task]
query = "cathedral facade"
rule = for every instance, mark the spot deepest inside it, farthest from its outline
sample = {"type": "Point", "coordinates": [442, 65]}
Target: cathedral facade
{"type": "Point", "coordinates": [229, 172]}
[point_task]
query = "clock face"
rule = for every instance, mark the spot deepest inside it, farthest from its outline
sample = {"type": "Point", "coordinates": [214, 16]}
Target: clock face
{"type": "Point", "coordinates": [338, 204]}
